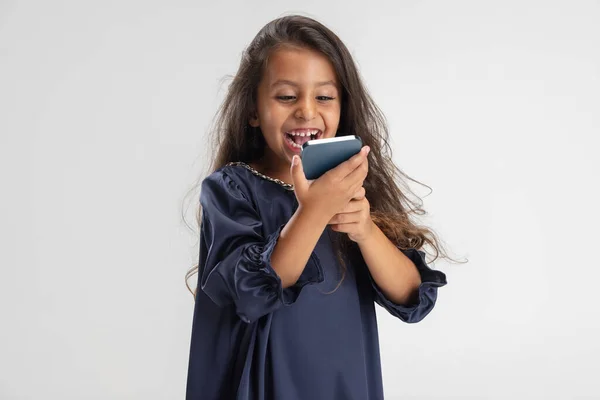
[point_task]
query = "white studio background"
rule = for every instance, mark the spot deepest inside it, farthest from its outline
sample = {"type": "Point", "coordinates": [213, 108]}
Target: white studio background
{"type": "Point", "coordinates": [104, 108]}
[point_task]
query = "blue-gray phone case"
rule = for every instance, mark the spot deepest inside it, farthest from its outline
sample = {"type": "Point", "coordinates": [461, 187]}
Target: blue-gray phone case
{"type": "Point", "coordinates": [319, 157]}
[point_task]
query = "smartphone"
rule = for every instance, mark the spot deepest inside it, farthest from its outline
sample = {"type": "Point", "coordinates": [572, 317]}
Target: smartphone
{"type": "Point", "coordinates": [321, 155]}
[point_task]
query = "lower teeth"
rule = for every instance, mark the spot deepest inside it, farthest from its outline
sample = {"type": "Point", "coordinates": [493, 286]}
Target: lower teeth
{"type": "Point", "coordinates": [294, 144]}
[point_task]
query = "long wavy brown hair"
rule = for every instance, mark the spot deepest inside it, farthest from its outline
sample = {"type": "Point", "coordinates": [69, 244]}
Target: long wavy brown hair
{"type": "Point", "coordinates": [233, 139]}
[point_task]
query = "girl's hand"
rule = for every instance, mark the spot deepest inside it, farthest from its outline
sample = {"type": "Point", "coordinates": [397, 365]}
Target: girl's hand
{"type": "Point", "coordinates": [354, 219]}
{"type": "Point", "coordinates": [333, 191]}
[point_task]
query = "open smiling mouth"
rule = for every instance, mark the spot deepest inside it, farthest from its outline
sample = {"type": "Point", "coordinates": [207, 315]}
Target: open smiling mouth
{"type": "Point", "coordinates": [297, 138]}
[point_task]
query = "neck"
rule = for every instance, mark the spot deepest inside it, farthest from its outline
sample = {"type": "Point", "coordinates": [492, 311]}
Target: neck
{"type": "Point", "coordinates": [274, 168]}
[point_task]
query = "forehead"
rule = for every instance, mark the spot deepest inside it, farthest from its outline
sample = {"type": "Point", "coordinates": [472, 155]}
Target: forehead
{"type": "Point", "coordinates": [302, 66]}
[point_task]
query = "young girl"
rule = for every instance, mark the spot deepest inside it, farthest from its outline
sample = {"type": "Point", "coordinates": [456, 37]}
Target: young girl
{"type": "Point", "coordinates": [289, 269]}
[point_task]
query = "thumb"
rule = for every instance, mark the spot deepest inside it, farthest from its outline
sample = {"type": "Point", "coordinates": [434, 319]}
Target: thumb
{"type": "Point", "coordinates": [298, 177]}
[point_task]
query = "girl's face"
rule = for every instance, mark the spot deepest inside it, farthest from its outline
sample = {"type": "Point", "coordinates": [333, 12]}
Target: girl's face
{"type": "Point", "coordinates": [298, 100]}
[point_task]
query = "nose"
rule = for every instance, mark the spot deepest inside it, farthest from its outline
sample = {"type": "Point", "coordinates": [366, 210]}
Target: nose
{"type": "Point", "coordinates": [306, 109]}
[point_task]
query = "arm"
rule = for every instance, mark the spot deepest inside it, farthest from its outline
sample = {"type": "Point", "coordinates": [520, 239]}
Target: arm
{"type": "Point", "coordinates": [235, 254]}
{"type": "Point", "coordinates": [402, 282]}
{"type": "Point", "coordinates": [296, 243]}
{"type": "Point", "coordinates": [318, 202]}
{"type": "Point", "coordinates": [392, 271]}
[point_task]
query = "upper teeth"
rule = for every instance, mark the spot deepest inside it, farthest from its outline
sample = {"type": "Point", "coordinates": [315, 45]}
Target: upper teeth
{"type": "Point", "coordinates": [307, 133]}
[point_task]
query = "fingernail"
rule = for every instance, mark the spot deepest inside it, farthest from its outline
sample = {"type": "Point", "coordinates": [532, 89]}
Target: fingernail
{"type": "Point", "coordinates": [295, 160]}
{"type": "Point", "coordinates": [368, 150]}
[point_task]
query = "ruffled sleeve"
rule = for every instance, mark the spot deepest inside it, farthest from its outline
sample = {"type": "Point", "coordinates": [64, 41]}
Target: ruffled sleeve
{"type": "Point", "coordinates": [431, 280]}
{"type": "Point", "coordinates": [235, 256]}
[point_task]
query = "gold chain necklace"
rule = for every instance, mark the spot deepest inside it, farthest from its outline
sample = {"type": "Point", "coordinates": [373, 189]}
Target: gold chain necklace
{"type": "Point", "coordinates": [287, 186]}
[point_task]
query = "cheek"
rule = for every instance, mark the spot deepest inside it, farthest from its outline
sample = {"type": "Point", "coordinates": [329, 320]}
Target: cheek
{"type": "Point", "coordinates": [332, 117]}
{"type": "Point", "coordinates": [275, 114]}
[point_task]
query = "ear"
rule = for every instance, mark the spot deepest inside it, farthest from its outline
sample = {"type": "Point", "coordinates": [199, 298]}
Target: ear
{"type": "Point", "coordinates": [253, 120]}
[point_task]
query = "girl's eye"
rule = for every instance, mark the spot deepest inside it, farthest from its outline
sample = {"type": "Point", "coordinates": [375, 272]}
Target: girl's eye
{"type": "Point", "coordinates": [320, 98]}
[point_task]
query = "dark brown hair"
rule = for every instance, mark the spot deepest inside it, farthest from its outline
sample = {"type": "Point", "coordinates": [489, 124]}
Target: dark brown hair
{"type": "Point", "coordinates": [233, 139]}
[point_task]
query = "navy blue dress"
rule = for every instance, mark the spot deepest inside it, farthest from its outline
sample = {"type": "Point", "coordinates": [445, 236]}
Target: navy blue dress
{"type": "Point", "coordinates": [252, 339]}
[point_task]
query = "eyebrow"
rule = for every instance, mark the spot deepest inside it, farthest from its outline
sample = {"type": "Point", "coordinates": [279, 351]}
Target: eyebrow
{"type": "Point", "coordinates": [292, 83]}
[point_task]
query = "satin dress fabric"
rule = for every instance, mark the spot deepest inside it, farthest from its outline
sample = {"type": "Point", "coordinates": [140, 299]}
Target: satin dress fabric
{"type": "Point", "coordinates": [253, 340]}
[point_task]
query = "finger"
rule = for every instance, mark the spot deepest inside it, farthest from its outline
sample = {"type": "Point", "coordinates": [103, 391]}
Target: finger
{"type": "Point", "coordinates": [359, 174]}
{"type": "Point", "coordinates": [298, 177]}
{"type": "Point", "coordinates": [352, 206]}
{"type": "Point", "coordinates": [345, 228]}
{"type": "Point", "coordinates": [348, 166]}
{"type": "Point", "coordinates": [359, 194]}
{"type": "Point", "coordinates": [346, 218]}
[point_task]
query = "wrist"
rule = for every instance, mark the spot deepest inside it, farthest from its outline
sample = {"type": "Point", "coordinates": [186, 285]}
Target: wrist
{"type": "Point", "coordinates": [370, 236]}
{"type": "Point", "coordinates": [313, 216]}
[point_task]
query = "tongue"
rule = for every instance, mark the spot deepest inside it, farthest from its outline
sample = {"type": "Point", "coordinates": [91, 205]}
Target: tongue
{"type": "Point", "coordinates": [300, 139]}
